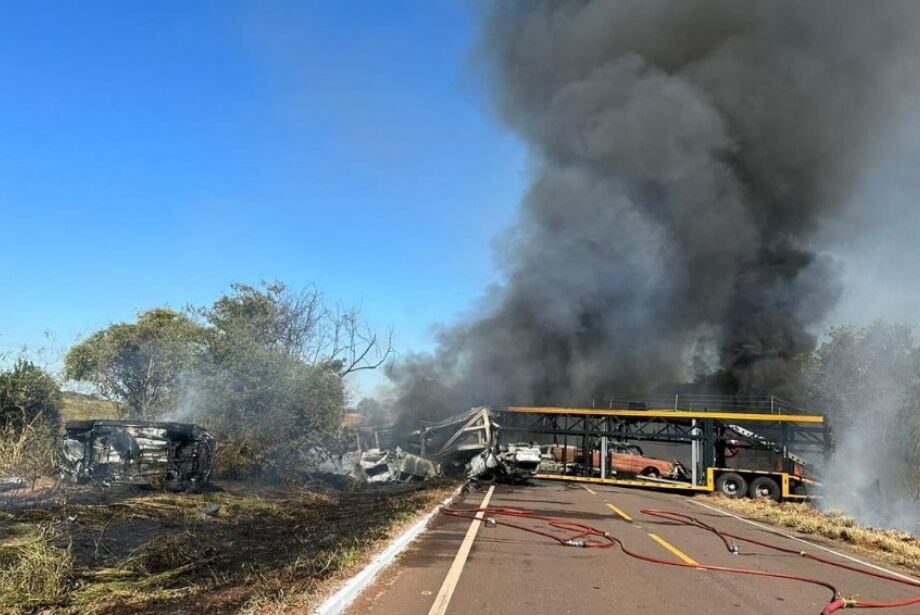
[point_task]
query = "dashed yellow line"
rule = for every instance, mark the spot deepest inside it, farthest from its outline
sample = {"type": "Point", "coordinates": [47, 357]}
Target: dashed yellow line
{"type": "Point", "coordinates": [619, 512]}
{"type": "Point", "coordinates": [674, 550]}
{"type": "Point", "coordinates": [609, 505]}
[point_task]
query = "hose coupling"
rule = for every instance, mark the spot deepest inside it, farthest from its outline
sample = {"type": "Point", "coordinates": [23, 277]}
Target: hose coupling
{"type": "Point", "coordinates": [491, 522]}
{"type": "Point", "coordinates": [578, 542]}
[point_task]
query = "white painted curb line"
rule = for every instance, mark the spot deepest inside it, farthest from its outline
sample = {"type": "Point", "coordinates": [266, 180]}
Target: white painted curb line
{"type": "Point", "coordinates": [340, 600]}
{"type": "Point", "coordinates": [778, 532]}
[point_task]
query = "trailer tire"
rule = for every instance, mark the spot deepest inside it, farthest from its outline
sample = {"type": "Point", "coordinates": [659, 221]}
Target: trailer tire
{"type": "Point", "coordinates": [765, 488]}
{"type": "Point", "coordinates": [731, 485]}
{"type": "Point", "coordinates": [651, 472]}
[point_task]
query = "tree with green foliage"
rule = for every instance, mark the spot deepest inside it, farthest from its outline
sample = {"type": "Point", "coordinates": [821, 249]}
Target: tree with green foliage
{"type": "Point", "coordinates": [301, 325]}
{"type": "Point", "coordinates": [28, 393]}
{"type": "Point", "coordinates": [30, 403]}
{"type": "Point", "coordinates": [140, 364]}
{"type": "Point", "coordinates": [263, 367]}
{"type": "Point", "coordinates": [273, 379]}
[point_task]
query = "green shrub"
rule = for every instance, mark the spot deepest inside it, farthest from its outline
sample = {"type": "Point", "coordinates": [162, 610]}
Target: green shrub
{"type": "Point", "coordinates": [26, 393]}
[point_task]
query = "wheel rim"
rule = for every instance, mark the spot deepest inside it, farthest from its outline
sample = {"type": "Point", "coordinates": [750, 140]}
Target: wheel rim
{"type": "Point", "coordinates": [764, 491]}
{"type": "Point", "coordinates": [731, 487]}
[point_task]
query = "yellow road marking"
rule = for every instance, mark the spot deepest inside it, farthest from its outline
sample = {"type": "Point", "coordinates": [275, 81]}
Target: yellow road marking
{"type": "Point", "coordinates": [453, 575]}
{"type": "Point", "coordinates": [589, 490]}
{"type": "Point", "coordinates": [618, 511]}
{"type": "Point", "coordinates": [667, 545]}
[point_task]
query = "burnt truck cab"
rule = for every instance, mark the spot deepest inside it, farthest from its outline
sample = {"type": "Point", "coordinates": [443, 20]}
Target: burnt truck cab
{"type": "Point", "coordinates": [173, 456]}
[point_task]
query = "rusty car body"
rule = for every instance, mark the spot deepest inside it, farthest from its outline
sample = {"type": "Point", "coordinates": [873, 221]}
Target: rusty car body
{"type": "Point", "coordinates": [622, 459]}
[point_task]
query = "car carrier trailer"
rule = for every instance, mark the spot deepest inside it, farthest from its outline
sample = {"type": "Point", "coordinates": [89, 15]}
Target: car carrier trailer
{"type": "Point", "coordinates": [757, 447]}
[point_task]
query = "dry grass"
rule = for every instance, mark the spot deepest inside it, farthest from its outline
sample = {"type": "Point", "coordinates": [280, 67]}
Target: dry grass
{"type": "Point", "coordinates": [891, 546]}
{"type": "Point", "coordinates": [28, 451]}
{"type": "Point", "coordinates": [35, 566]}
{"type": "Point", "coordinates": [163, 554]}
{"type": "Point", "coordinates": [265, 551]}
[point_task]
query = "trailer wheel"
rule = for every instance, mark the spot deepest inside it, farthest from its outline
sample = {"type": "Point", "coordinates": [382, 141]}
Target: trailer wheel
{"type": "Point", "coordinates": [764, 488]}
{"type": "Point", "coordinates": [651, 472]}
{"type": "Point", "coordinates": [732, 485]}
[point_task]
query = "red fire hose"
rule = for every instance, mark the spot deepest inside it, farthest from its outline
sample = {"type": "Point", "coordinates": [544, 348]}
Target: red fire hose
{"type": "Point", "coordinates": [589, 537]}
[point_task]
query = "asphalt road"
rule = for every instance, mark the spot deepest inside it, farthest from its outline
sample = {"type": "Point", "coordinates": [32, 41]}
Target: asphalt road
{"type": "Point", "coordinates": [509, 571]}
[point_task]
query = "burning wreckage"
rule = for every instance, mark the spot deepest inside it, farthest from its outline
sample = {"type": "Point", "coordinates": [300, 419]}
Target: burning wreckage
{"type": "Point", "coordinates": [394, 466]}
{"type": "Point", "coordinates": [724, 456]}
{"type": "Point", "coordinates": [174, 456]}
{"type": "Point", "coordinates": [178, 456]}
{"type": "Point", "coordinates": [463, 444]}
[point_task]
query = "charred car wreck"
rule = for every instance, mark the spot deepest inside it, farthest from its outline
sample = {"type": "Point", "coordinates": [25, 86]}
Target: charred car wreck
{"type": "Point", "coordinates": [174, 456]}
{"type": "Point", "coordinates": [513, 463]}
{"type": "Point", "coordinates": [395, 466]}
{"type": "Point", "coordinates": [465, 444]}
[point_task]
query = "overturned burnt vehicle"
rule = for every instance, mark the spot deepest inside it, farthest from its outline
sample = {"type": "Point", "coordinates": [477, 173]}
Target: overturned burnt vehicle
{"type": "Point", "coordinates": [173, 456]}
{"type": "Point", "coordinates": [513, 463]}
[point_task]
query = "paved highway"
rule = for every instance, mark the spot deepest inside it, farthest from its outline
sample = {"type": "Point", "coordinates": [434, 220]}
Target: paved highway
{"type": "Point", "coordinates": [501, 570]}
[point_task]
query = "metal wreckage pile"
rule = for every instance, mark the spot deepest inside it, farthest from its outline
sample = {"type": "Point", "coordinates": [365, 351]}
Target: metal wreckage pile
{"type": "Point", "coordinates": [178, 456]}
{"type": "Point", "coordinates": [463, 444]}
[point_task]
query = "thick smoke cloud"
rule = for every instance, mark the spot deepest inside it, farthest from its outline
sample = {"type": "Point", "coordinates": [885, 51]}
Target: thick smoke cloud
{"type": "Point", "coordinates": [686, 156]}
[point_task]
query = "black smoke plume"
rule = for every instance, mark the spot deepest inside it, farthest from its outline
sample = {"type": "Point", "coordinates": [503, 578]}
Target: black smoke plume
{"type": "Point", "coordinates": [685, 156]}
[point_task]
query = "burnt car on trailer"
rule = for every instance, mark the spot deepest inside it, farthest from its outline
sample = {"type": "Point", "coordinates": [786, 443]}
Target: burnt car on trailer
{"type": "Point", "coordinates": [622, 459]}
{"type": "Point", "coordinates": [173, 456]}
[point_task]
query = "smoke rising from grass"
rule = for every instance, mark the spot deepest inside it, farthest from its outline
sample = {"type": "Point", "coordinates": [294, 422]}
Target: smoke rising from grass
{"type": "Point", "coordinates": [868, 380]}
{"type": "Point", "coordinates": [685, 158]}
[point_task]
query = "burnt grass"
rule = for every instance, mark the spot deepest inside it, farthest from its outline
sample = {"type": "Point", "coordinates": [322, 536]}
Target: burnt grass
{"type": "Point", "coordinates": [261, 549]}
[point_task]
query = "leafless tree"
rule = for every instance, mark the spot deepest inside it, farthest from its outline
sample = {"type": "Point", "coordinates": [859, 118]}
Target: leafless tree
{"type": "Point", "coordinates": [318, 332]}
{"type": "Point", "coordinates": [355, 343]}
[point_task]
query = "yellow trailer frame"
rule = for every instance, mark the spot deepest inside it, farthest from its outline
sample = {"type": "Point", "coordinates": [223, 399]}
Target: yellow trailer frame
{"type": "Point", "coordinates": [708, 487]}
{"type": "Point", "coordinates": [785, 479]}
{"type": "Point", "coordinates": [667, 413]}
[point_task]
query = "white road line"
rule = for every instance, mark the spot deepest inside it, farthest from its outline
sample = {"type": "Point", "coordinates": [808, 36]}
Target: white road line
{"type": "Point", "coordinates": [810, 544]}
{"type": "Point", "coordinates": [456, 568]}
{"type": "Point", "coordinates": [339, 601]}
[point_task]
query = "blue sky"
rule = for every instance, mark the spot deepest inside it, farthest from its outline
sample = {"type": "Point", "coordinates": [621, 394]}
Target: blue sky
{"type": "Point", "coordinates": [153, 153]}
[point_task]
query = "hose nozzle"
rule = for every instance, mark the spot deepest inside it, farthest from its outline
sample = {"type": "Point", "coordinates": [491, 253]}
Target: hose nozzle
{"type": "Point", "coordinates": [490, 522]}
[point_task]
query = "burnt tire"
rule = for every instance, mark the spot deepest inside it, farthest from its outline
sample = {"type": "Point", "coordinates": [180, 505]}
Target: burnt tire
{"type": "Point", "coordinates": [651, 472]}
{"type": "Point", "coordinates": [764, 488]}
{"type": "Point", "coordinates": [731, 485]}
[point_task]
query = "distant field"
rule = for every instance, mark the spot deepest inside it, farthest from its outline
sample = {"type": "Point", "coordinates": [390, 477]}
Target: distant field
{"type": "Point", "coordinates": [80, 407]}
